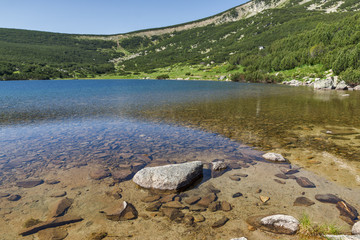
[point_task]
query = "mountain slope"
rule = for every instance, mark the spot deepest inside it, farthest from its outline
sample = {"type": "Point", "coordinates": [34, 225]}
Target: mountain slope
{"type": "Point", "coordinates": [264, 36]}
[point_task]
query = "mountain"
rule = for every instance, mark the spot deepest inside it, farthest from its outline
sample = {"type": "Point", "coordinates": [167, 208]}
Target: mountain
{"type": "Point", "coordinates": [259, 40]}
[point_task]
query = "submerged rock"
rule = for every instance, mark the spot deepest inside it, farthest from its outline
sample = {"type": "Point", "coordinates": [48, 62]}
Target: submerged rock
{"type": "Point", "coordinates": [61, 207]}
{"type": "Point", "coordinates": [219, 223]}
{"type": "Point", "coordinates": [192, 200]}
{"type": "Point", "coordinates": [169, 177]}
{"type": "Point", "coordinates": [14, 198]}
{"type": "Point", "coordinates": [29, 183]}
{"type": "Point", "coordinates": [125, 211]}
{"type": "Point", "coordinates": [218, 165]}
{"type": "Point", "coordinates": [283, 224]}
{"type": "Point", "coordinates": [347, 210]}
{"type": "Point", "coordinates": [275, 157]}
{"type": "Point", "coordinates": [303, 201]}
{"type": "Point", "coordinates": [99, 174]}
{"type": "Point", "coordinates": [52, 234]}
{"type": "Point", "coordinates": [305, 182]}
{"type": "Point", "coordinates": [356, 229]}
{"type": "Point", "coordinates": [327, 198]}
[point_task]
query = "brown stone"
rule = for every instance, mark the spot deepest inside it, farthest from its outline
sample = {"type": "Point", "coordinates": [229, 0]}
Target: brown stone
{"type": "Point", "coordinates": [61, 207]}
{"type": "Point", "coordinates": [121, 175]}
{"type": "Point", "coordinates": [52, 234]}
{"type": "Point", "coordinates": [264, 199]}
{"type": "Point", "coordinates": [29, 183]}
{"type": "Point", "coordinates": [14, 198]}
{"type": "Point", "coordinates": [126, 211]}
{"type": "Point", "coordinates": [214, 206]}
{"type": "Point", "coordinates": [149, 199]}
{"type": "Point", "coordinates": [153, 207]}
{"type": "Point", "coordinates": [205, 201]}
{"type": "Point", "coordinates": [327, 198]}
{"type": "Point", "coordinates": [219, 223]}
{"type": "Point", "coordinates": [199, 218]}
{"type": "Point", "coordinates": [173, 214]}
{"type": "Point", "coordinates": [251, 228]}
{"type": "Point", "coordinates": [188, 219]}
{"type": "Point", "coordinates": [168, 198]}
{"type": "Point", "coordinates": [347, 210]}
{"type": "Point", "coordinates": [305, 182]}
{"type": "Point", "coordinates": [289, 171]}
{"type": "Point", "coordinates": [52, 181]}
{"type": "Point", "coordinates": [303, 201]}
{"type": "Point", "coordinates": [114, 193]}
{"type": "Point", "coordinates": [279, 181]}
{"type": "Point", "coordinates": [196, 208]}
{"type": "Point", "coordinates": [173, 204]}
{"type": "Point", "coordinates": [235, 178]}
{"type": "Point", "coordinates": [99, 174]}
{"type": "Point", "coordinates": [54, 222]}
{"type": "Point", "coordinates": [225, 206]}
{"type": "Point", "coordinates": [58, 194]}
{"type": "Point", "coordinates": [192, 200]}
{"type": "Point", "coordinates": [282, 176]}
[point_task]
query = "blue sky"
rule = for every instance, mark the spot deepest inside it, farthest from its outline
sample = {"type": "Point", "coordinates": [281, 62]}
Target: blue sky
{"type": "Point", "coordinates": [105, 16]}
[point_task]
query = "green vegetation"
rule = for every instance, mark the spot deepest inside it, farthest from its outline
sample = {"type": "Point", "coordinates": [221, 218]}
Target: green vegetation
{"type": "Point", "coordinates": [309, 229]}
{"type": "Point", "coordinates": [276, 44]}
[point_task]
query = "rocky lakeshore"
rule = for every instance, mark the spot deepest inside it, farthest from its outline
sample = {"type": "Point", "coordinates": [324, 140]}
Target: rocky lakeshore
{"type": "Point", "coordinates": [248, 197]}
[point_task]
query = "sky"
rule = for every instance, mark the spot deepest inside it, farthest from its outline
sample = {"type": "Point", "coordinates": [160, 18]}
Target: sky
{"type": "Point", "coordinates": [105, 16]}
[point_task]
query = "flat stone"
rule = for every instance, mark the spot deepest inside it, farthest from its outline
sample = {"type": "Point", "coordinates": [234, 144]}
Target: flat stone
{"type": "Point", "coordinates": [199, 218]}
{"type": "Point", "coordinates": [305, 182]}
{"type": "Point", "coordinates": [219, 223]}
{"type": "Point", "coordinates": [264, 199]}
{"type": "Point", "coordinates": [192, 200]}
{"type": "Point", "coordinates": [235, 178]}
{"type": "Point", "coordinates": [274, 157]}
{"type": "Point", "coordinates": [61, 207]}
{"type": "Point", "coordinates": [342, 237]}
{"type": "Point", "coordinates": [279, 181]}
{"type": "Point", "coordinates": [54, 222]}
{"type": "Point", "coordinates": [225, 206]}
{"type": "Point", "coordinates": [121, 175]}
{"type": "Point", "coordinates": [126, 211]}
{"type": "Point", "coordinates": [3, 195]}
{"type": "Point", "coordinates": [14, 198]}
{"type": "Point", "coordinates": [173, 214]}
{"type": "Point", "coordinates": [282, 176]}
{"type": "Point", "coordinates": [52, 234]}
{"type": "Point", "coordinates": [169, 177]}
{"type": "Point", "coordinates": [114, 193]}
{"type": "Point", "coordinates": [29, 183]}
{"type": "Point", "coordinates": [149, 199]}
{"type": "Point", "coordinates": [99, 174]}
{"type": "Point", "coordinates": [356, 229]}
{"type": "Point", "coordinates": [236, 195]}
{"type": "Point", "coordinates": [214, 206]}
{"type": "Point", "coordinates": [218, 165]}
{"type": "Point", "coordinates": [58, 194]}
{"type": "Point", "coordinates": [289, 171]}
{"type": "Point", "coordinates": [347, 210]}
{"type": "Point", "coordinates": [205, 201]}
{"type": "Point", "coordinates": [52, 181]}
{"type": "Point", "coordinates": [168, 198]}
{"type": "Point", "coordinates": [173, 204]}
{"type": "Point", "coordinates": [196, 208]}
{"type": "Point", "coordinates": [154, 207]}
{"type": "Point", "coordinates": [328, 198]}
{"type": "Point", "coordinates": [303, 201]}
{"type": "Point", "coordinates": [280, 224]}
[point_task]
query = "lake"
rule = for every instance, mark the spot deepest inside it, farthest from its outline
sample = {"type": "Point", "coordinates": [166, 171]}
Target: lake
{"type": "Point", "coordinates": [68, 129]}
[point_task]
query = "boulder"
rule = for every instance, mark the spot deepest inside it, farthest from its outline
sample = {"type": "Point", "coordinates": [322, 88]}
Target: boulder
{"type": "Point", "coordinates": [169, 177]}
{"type": "Point", "coordinates": [357, 88]}
{"type": "Point", "coordinates": [327, 198]}
{"type": "Point", "coordinates": [323, 83]}
{"type": "Point", "coordinates": [341, 86]}
{"type": "Point", "coordinates": [283, 224]}
{"type": "Point", "coordinates": [356, 229]}
{"type": "Point", "coordinates": [275, 157]}
{"type": "Point", "coordinates": [125, 211]}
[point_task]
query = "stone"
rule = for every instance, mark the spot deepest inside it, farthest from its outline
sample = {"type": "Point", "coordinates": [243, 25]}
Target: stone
{"type": "Point", "coordinates": [99, 174]}
{"type": "Point", "coordinates": [357, 88]}
{"type": "Point", "coordinates": [52, 223]}
{"type": "Point", "coordinates": [14, 198]}
{"type": "Point", "coordinates": [121, 175]}
{"type": "Point", "coordinates": [279, 181]}
{"type": "Point", "coordinates": [236, 195]}
{"type": "Point", "coordinates": [173, 214]}
{"type": "Point", "coordinates": [219, 223]}
{"type": "Point", "coordinates": [169, 177]}
{"type": "Point", "coordinates": [199, 218]}
{"type": "Point", "coordinates": [168, 198]}
{"type": "Point", "coordinates": [196, 208]}
{"type": "Point", "coordinates": [242, 238]}
{"type": "Point", "coordinates": [264, 199]}
{"type": "Point", "coordinates": [235, 178]}
{"type": "Point", "coordinates": [114, 193]}
{"type": "Point", "coordinates": [214, 206]}
{"type": "Point", "coordinates": [342, 237]}
{"type": "Point", "coordinates": [173, 204]}
{"type": "Point", "coordinates": [225, 206]}
{"type": "Point", "coordinates": [3, 195]}
{"type": "Point", "coordinates": [289, 171]}
{"type": "Point", "coordinates": [303, 201]}
{"type": "Point", "coordinates": [218, 165]}
{"type": "Point", "coordinates": [29, 183]}
{"type": "Point", "coordinates": [154, 207]}
{"type": "Point", "coordinates": [126, 211]}
{"type": "Point", "coordinates": [61, 207]}
{"type": "Point", "coordinates": [280, 224]}
{"type": "Point", "coordinates": [341, 86]}
{"type": "Point", "coordinates": [212, 189]}
{"type": "Point", "coordinates": [274, 157]}
{"type": "Point", "coordinates": [323, 83]}
{"type": "Point", "coordinates": [347, 210]}
{"type": "Point", "coordinates": [149, 199]}
{"type": "Point", "coordinates": [52, 234]}
{"type": "Point", "coordinates": [305, 182]}
{"type": "Point", "coordinates": [52, 181]}
{"type": "Point", "coordinates": [192, 200]}
{"type": "Point", "coordinates": [356, 229]}
{"type": "Point", "coordinates": [327, 198]}
{"type": "Point", "coordinates": [58, 194]}
{"type": "Point", "coordinates": [188, 219]}
{"type": "Point", "coordinates": [205, 201]}
{"type": "Point", "coordinates": [242, 175]}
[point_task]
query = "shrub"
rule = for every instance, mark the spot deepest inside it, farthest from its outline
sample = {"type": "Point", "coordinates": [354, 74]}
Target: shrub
{"type": "Point", "coordinates": [163, 76]}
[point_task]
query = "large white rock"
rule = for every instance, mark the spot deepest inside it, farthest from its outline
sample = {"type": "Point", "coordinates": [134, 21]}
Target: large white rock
{"type": "Point", "coordinates": [342, 237]}
{"type": "Point", "coordinates": [356, 229]}
{"type": "Point", "coordinates": [169, 177]}
{"type": "Point", "coordinates": [281, 223]}
{"type": "Point", "coordinates": [323, 83]}
{"type": "Point", "coordinates": [275, 157]}
{"type": "Point", "coordinates": [242, 238]}
{"type": "Point", "coordinates": [357, 88]}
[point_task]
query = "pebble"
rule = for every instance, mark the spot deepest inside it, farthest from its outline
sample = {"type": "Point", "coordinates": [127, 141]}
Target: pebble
{"type": "Point", "coordinates": [61, 207]}
{"type": "Point", "coordinates": [303, 201]}
{"type": "Point", "coordinates": [225, 206]}
{"type": "Point", "coordinates": [214, 206]}
{"type": "Point", "coordinates": [238, 194]}
{"type": "Point", "coordinates": [14, 198]}
{"type": "Point", "coordinates": [205, 201]}
{"type": "Point", "coordinates": [305, 182]}
{"type": "Point", "coordinates": [235, 178]}
{"type": "Point", "coordinates": [327, 198]}
{"type": "Point", "coordinates": [173, 214]}
{"type": "Point", "coordinates": [199, 218]}
{"type": "Point", "coordinates": [218, 165]}
{"type": "Point", "coordinates": [126, 211]}
{"type": "Point", "coordinates": [168, 198]}
{"type": "Point", "coordinates": [99, 174]}
{"type": "Point", "coordinates": [192, 200]}
{"type": "Point", "coordinates": [58, 194]}
{"type": "Point", "coordinates": [347, 210]}
{"type": "Point", "coordinates": [264, 199]}
{"type": "Point", "coordinates": [282, 176]}
{"type": "Point", "coordinates": [219, 223]}
{"type": "Point", "coordinates": [197, 208]}
{"type": "Point", "coordinates": [356, 229]}
{"type": "Point", "coordinates": [52, 234]}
